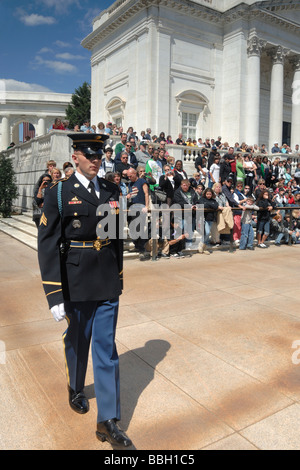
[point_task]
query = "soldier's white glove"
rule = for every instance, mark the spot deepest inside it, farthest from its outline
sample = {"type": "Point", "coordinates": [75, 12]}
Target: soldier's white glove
{"type": "Point", "coordinates": [58, 312]}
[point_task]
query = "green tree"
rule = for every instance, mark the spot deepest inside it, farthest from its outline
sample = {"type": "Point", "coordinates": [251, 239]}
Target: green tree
{"type": "Point", "coordinates": [8, 186]}
{"type": "Point", "coordinates": [79, 110]}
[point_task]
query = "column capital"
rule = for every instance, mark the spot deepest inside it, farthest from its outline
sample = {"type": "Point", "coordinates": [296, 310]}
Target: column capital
{"type": "Point", "coordinates": [295, 61]}
{"type": "Point", "coordinates": [278, 54]}
{"type": "Point", "coordinates": [255, 45]}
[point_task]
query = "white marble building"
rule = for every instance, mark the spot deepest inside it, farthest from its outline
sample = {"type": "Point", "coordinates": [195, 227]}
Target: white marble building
{"type": "Point", "coordinates": [204, 67]}
{"type": "Point", "coordinates": [38, 108]}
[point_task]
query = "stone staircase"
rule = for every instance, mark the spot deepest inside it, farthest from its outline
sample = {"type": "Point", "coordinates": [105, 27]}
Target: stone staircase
{"type": "Point", "coordinates": [22, 228]}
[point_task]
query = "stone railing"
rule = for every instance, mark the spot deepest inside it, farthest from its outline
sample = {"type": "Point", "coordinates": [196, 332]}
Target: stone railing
{"type": "Point", "coordinates": [30, 160]}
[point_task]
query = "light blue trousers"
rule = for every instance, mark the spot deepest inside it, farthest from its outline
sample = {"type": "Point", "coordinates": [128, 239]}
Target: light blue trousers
{"type": "Point", "coordinates": [96, 322]}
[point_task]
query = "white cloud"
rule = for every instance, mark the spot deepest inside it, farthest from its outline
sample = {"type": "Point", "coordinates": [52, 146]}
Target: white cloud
{"type": "Point", "coordinates": [36, 20]}
{"type": "Point", "coordinates": [67, 56]}
{"type": "Point", "coordinates": [14, 85]}
{"type": "Point", "coordinates": [62, 44]}
{"type": "Point", "coordinates": [58, 5]}
{"type": "Point", "coordinates": [57, 66]}
{"type": "Point", "coordinates": [45, 50]}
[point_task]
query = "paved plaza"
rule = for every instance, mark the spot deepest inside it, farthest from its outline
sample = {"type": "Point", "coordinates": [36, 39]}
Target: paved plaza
{"type": "Point", "coordinates": [205, 347]}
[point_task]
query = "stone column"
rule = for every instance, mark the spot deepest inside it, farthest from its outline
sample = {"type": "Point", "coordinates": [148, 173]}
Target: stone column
{"type": "Point", "coordinates": [278, 55]}
{"type": "Point", "coordinates": [41, 127]}
{"type": "Point", "coordinates": [5, 133]}
{"type": "Point", "coordinates": [295, 130]}
{"type": "Point", "coordinates": [254, 48]}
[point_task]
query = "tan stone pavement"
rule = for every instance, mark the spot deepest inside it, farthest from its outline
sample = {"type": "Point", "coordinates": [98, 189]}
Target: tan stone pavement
{"type": "Point", "coordinates": [205, 347]}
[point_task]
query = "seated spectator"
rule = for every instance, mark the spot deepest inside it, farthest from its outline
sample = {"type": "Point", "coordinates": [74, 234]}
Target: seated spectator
{"type": "Point", "coordinates": [58, 125]}
{"type": "Point", "coordinates": [66, 124]}
{"type": "Point", "coordinates": [108, 129]}
{"type": "Point", "coordinates": [123, 166]}
{"type": "Point", "coordinates": [147, 177]}
{"type": "Point", "coordinates": [67, 165]}
{"type": "Point", "coordinates": [167, 183]}
{"type": "Point", "coordinates": [108, 164]}
{"type": "Point", "coordinates": [177, 239]}
{"type": "Point", "coordinates": [161, 137]}
{"type": "Point", "coordinates": [123, 190]}
{"type": "Point", "coordinates": [55, 174]}
{"type": "Point", "coordinates": [162, 159]}
{"type": "Point", "coordinates": [100, 128]}
{"type": "Point", "coordinates": [50, 165]}
{"type": "Point", "coordinates": [122, 144]}
{"type": "Point", "coordinates": [125, 147]}
{"type": "Point", "coordinates": [154, 169]}
{"type": "Point", "coordinates": [296, 226]}
{"type": "Point", "coordinates": [180, 140]}
{"type": "Point", "coordinates": [179, 174]}
{"type": "Point", "coordinates": [280, 229]}
{"type": "Point", "coordinates": [87, 128]}
{"type": "Point", "coordinates": [69, 171]}
{"type": "Point", "coordinates": [147, 136]}
{"type": "Point", "coordinates": [199, 159]}
{"type": "Point", "coordinates": [280, 199]}
{"type": "Point", "coordinates": [115, 130]}
{"type": "Point", "coordinates": [142, 155]}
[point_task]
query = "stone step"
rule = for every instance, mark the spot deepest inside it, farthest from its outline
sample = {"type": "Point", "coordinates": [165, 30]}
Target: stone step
{"type": "Point", "coordinates": [14, 232]}
{"type": "Point", "coordinates": [25, 219]}
{"type": "Point", "coordinates": [22, 228]}
{"type": "Point", "coordinates": [19, 223]}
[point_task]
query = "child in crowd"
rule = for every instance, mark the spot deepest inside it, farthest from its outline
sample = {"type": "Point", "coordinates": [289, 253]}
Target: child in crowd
{"type": "Point", "coordinates": [247, 234]}
{"type": "Point", "coordinates": [279, 226]}
{"type": "Point", "coordinates": [263, 217]}
{"type": "Point", "coordinates": [177, 240]}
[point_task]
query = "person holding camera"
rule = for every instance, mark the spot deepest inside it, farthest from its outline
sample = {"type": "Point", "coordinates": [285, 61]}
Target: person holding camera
{"type": "Point", "coordinates": [167, 183]}
{"type": "Point", "coordinates": [38, 198]}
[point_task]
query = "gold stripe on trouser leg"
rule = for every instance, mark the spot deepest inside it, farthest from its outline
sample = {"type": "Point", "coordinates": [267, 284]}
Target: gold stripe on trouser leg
{"type": "Point", "coordinates": [66, 363]}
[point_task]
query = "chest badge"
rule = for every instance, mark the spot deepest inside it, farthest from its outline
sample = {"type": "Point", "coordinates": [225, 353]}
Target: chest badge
{"type": "Point", "coordinates": [75, 200]}
{"type": "Point", "coordinates": [76, 223]}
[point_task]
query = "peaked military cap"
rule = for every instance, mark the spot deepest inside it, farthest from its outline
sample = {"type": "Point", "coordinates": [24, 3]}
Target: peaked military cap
{"type": "Point", "coordinates": [91, 144]}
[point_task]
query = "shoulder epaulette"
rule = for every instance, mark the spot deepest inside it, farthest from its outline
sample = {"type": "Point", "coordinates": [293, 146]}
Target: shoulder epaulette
{"type": "Point", "coordinates": [56, 182]}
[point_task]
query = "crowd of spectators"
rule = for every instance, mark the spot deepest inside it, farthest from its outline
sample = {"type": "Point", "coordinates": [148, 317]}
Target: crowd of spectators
{"type": "Point", "coordinates": [242, 190]}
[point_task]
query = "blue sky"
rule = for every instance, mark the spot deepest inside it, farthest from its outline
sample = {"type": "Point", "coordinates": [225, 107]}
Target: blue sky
{"type": "Point", "coordinates": [40, 43]}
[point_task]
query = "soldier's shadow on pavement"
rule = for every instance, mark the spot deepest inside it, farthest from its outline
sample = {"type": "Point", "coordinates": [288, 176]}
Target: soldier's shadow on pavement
{"type": "Point", "coordinates": [137, 368]}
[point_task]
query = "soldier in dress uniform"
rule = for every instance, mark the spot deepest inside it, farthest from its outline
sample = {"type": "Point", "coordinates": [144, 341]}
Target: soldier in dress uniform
{"type": "Point", "coordinates": [82, 279]}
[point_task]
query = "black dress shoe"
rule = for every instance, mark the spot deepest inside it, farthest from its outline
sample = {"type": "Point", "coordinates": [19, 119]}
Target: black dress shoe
{"type": "Point", "coordinates": [110, 431]}
{"type": "Point", "coordinates": [78, 402]}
